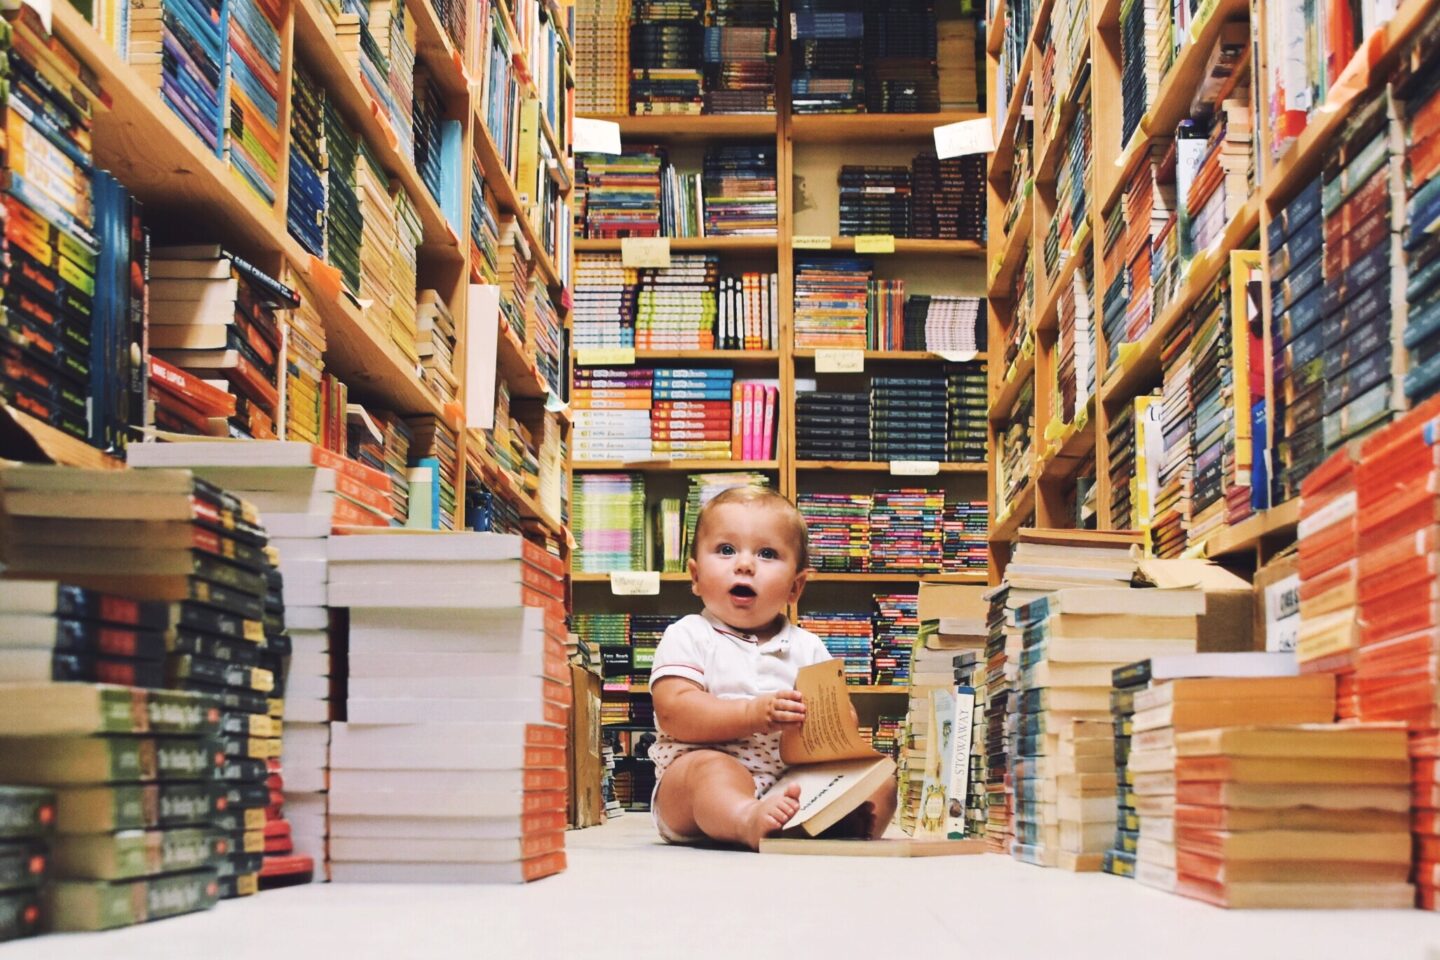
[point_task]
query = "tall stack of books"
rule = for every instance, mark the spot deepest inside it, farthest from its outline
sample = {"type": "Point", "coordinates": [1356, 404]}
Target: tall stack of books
{"type": "Point", "coordinates": [839, 525]}
{"type": "Point", "coordinates": [621, 195]}
{"type": "Point", "coordinates": [966, 393]}
{"type": "Point", "coordinates": [748, 312]}
{"type": "Point", "coordinates": [394, 33]}
{"type": "Point", "coordinates": [848, 637]}
{"type": "Point", "coordinates": [1121, 439]}
{"type": "Point", "coordinates": [612, 409]}
{"type": "Point", "coordinates": [1075, 367]}
{"type": "Point", "coordinates": [900, 69]}
{"type": "Point", "coordinates": [830, 302]}
{"type": "Point", "coordinates": [1174, 498]}
{"type": "Point", "coordinates": [457, 728]}
{"type": "Point", "coordinates": [343, 223]}
{"type": "Point", "coordinates": [909, 418]}
{"type": "Point", "coordinates": [827, 64]}
{"type": "Point", "coordinates": [605, 294]}
{"type": "Point", "coordinates": [739, 56]}
{"type": "Point", "coordinates": [216, 317]}
{"type": "Point", "coordinates": [1137, 81]}
{"type": "Point", "coordinates": [429, 112]}
{"type": "Point", "coordinates": [1126, 682]}
{"type": "Point", "coordinates": [832, 426]}
{"type": "Point", "coordinates": [1293, 816]}
{"type": "Point", "coordinates": [609, 522]}
{"type": "Point", "coordinates": [675, 308]}
{"type": "Point", "coordinates": [434, 447]}
{"type": "Point", "coordinates": [1219, 176]}
{"type": "Point", "coordinates": [896, 624]}
{"type": "Point", "coordinates": [381, 440]}
{"type": "Point", "coordinates": [183, 57]}
{"type": "Point", "coordinates": [1016, 456]}
{"type": "Point", "coordinates": [1329, 544]}
{"type": "Point", "coordinates": [739, 191]}
{"type": "Point", "coordinates": [667, 42]}
{"type": "Point", "coordinates": [1203, 692]}
{"type": "Point", "coordinates": [307, 208]}
{"type": "Point", "coordinates": [306, 409]}
{"type": "Point", "coordinates": [436, 343]}
{"type": "Point", "coordinates": [379, 238]}
{"type": "Point", "coordinates": [905, 531]}
{"type": "Point", "coordinates": [874, 200]}
{"type": "Point", "coordinates": [28, 815]}
{"type": "Point", "coordinates": [1004, 642]}
{"type": "Point", "coordinates": [1212, 384]}
{"type": "Point", "coordinates": [132, 773]}
{"type": "Point", "coordinates": [1296, 271]}
{"type": "Point", "coordinates": [947, 199]}
{"type": "Point", "coordinates": [941, 323]}
{"type": "Point", "coordinates": [253, 89]}
{"type": "Point", "coordinates": [691, 416]}
{"type": "Point", "coordinates": [966, 536]}
{"type": "Point", "coordinates": [1416, 93]}
{"type": "Point", "coordinates": [602, 58]}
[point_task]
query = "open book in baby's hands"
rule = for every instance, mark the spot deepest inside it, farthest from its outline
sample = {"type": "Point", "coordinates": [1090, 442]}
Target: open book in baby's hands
{"type": "Point", "coordinates": [835, 769]}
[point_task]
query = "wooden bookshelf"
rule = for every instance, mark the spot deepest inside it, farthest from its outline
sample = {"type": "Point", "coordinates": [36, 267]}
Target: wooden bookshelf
{"type": "Point", "coordinates": [673, 466]}
{"type": "Point", "coordinates": [690, 245]}
{"type": "Point", "coordinates": [873, 691]}
{"type": "Point", "coordinates": [926, 248]}
{"type": "Point", "coordinates": [578, 577]}
{"type": "Point", "coordinates": [879, 466]}
{"type": "Point", "coordinates": [691, 129]}
{"type": "Point", "coordinates": [1013, 248]}
{"type": "Point", "coordinates": [906, 356]}
{"type": "Point", "coordinates": [859, 127]}
{"type": "Point", "coordinates": [723, 356]}
{"type": "Point", "coordinates": [821, 577]}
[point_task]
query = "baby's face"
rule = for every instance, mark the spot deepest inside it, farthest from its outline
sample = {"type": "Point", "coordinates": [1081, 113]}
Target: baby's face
{"type": "Point", "coordinates": [745, 566]}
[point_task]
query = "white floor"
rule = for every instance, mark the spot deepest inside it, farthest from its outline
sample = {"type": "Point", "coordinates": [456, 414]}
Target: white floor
{"type": "Point", "coordinates": [628, 897]}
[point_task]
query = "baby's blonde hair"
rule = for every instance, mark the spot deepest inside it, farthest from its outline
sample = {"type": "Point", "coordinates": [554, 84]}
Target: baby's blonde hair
{"type": "Point", "coordinates": [768, 499]}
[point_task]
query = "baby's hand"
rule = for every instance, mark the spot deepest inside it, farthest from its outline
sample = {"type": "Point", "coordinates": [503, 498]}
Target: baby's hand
{"type": "Point", "coordinates": [773, 711]}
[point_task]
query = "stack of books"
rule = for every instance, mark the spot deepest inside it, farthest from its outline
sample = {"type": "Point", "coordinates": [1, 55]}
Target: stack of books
{"type": "Point", "coordinates": [749, 312]}
{"type": "Point", "coordinates": [484, 227]}
{"type": "Point", "coordinates": [896, 625]}
{"type": "Point", "coordinates": [429, 113]}
{"type": "Point", "coordinates": [214, 316]}
{"type": "Point", "coordinates": [28, 815]}
{"type": "Point", "coordinates": [874, 200]}
{"type": "Point", "coordinates": [1138, 20]}
{"type": "Point", "coordinates": [1072, 184]}
{"type": "Point", "coordinates": [966, 545]}
{"type": "Point", "coordinates": [435, 343]}
{"type": "Point", "coordinates": [1015, 459]}
{"type": "Point", "coordinates": [1220, 180]}
{"type": "Point", "coordinates": [456, 729]}
{"type": "Point", "coordinates": [609, 522]}
{"type": "Point", "coordinates": [306, 390]}
{"type": "Point", "coordinates": [620, 193]}
{"type": "Point", "coordinates": [612, 411]}
{"type": "Point", "coordinates": [132, 773]}
{"type": "Point", "coordinates": [605, 294]}
{"type": "Point", "coordinates": [848, 637]}
{"type": "Point", "coordinates": [1126, 682]}
{"type": "Point", "coordinates": [1416, 95]}
{"type": "Point", "coordinates": [602, 58]}
{"type": "Point", "coordinates": [947, 199]}
{"type": "Point", "coordinates": [308, 208]}
{"type": "Point", "coordinates": [739, 191]}
{"type": "Point", "coordinates": [832, 426]}
{"type": "Point", "coordinates": [183, 57]}
{"type": "Point", "coordinates": [966, 406]}
{"type": "Point", "coordinates": [827, 62]}
{"type": "Point", "coordinates": [909, 418]}
{"type": "Point", "coordinates": [1203, 692]}
{"type": "Point", "coordinates": [940, 323]}
{"type": "Point", "coordinates": [1331, 619]}
{"type": "Point", "coordinates": [691, 413]}
{"type": "Point", "coordinates": [381, 440]}
{"type": "Point", "coordinates": [1121, 444]}
{"type": "Point", "coordinates": [957, 82]}
{"type": "Point", "coordinates": [900, 49]}
{"type": "Point", "coordinates": [839, 525]}
{"type": "Point", "coordinates": [434, 449]}
{"type": "Point", "coordinates": [252, 89]}
{"type": "Point", "coordinates": [343, 223]}
{"type": "Point", "coordinates": [905, 531]}
{"type": "Point", "coordinates": [1293, 816]}
{"type": "Point", "coordinates": [831, 302]}
{"type": "Point", "coordinates": [667, 43]}
{"type": "Point", "coordinates": [394, 35]}
{"type": "Point", "coordinates": [739, 56]}
{"type": "Point", "coordinates": [1296, 272]}
{"type": "Point", "coordinates": [1175, 478]}
{"type": "Point", "coordinates": [676, 308]}
{"type": "Point", "coordinates": [379, 236]}
{"type": "Point", "coordinates": [1004, 642]}
{"type": "Point", "coordinates": [1212, 384]}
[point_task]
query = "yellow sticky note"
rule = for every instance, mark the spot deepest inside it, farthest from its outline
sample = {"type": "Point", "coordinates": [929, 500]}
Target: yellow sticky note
{"type": "Point", "coordinates": [810, 243]}
{"type": "Point", "coordinates": [875, 243]}
{"type": "Point", "coordinates": [839, 361]}
{"type": "Point", "coordinates": [645, 252]}
{"type": "Point", "coordinates": [635, 583]}
{"type": "Point", "coordinates": [605, 356]}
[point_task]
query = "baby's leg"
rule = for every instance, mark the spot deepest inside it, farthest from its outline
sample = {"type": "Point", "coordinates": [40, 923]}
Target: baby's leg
{"type": "Point", "coordinates": [709, 792]}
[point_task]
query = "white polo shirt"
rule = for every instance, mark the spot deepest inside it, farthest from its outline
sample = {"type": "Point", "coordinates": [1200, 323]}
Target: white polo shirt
{"type": "Point", "coordinates": [732, 665]}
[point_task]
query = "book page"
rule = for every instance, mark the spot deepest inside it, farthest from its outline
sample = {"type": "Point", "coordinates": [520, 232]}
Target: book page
{"type": "Point", "coordinates": [829, 731]}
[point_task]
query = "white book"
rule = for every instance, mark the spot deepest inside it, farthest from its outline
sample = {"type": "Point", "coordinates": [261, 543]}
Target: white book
{"type": "Point", "coordinates": [1110, 650]}
{"type": "Point", "coordinates": [457, 688]}
{"type": "Point", "coordinates": [431, 828]}
{"type": "Point", "coordinates": [306, 502]}
{"type": "Point", "coordinates": [345, 872]}
{"type": "Point", "coordinates": [309, 779]}
{"type": "Point", "coordinates": [27, 631]}
{"type": "Point", "coordinates": [307, 735]}
{"type": "Point", "coordinates": [412, 547]}
{"type": "Point", "coordinates": [429, 747]}
{"type": "Point", "coordinates": [1087, 810]}
{"type": "Point", "coordinates": [314, 847]}
{"type": "Point", "coordinates": [433, 781]}
{"type": "Point", "coordinates": [410, 849]}
{"type": "Point", "coordinates": [426, 666]}
{"type": "Point", "coordinates": [531, 643]}
{"type": "Point", "coordinates": [306, 709]}
{"type": "Point", "coordinates": [308, 643]}
{"type": "Point", "coordinates": [419, 802]}
{"type": "Point", "coordinates": [306, 594]}
{"type": "Point", "coordinates": [307, 687]}
{"type": "Point", "coordinates": [305, 664]}
{"type": "Point", "coordinates": [27, 665]}
{"type": "Point", "coordinates": [309, 619]}
{"type": "Point", "coordinates": [223, 453]}
{"type": "Point", "coordinates": [437, 710]}
{"type": "Point", "coordinates": [460, 594]}
{"type": "Point", "coordinates": [306, 805]}
{"type": "Point", "coordinates": [300, 550]}
{"type": "Point", "coordinates": [407, 571]}
{"type": "Point", "coordinates": [297, 525]}
{"type": "Point", "coordinates": [304, 571]}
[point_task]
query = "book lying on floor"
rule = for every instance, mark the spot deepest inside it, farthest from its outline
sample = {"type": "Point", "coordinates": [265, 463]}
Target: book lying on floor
{"type": "Point", "coordinates": [888, 847]}
{"type": "Point", "coordinates": [835, 769]}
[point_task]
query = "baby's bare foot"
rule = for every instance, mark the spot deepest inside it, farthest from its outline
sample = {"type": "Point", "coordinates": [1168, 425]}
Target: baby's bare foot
{"type": "Point", "coordinates": [768, 815]}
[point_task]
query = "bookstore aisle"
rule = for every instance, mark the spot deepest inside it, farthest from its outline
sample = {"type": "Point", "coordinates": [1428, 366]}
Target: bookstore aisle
{"type": "Point", "coordinates": [703, 903]}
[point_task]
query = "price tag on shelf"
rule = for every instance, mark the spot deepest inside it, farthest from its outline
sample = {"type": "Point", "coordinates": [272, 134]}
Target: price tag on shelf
{"type": "Point", "coordinates": [829, 360]}
{"type": "Point", "coordinates": [635, 583]}
{"type": "Point", "coordinates": [956, 356]}
{"type": "Point", "coordinates": [810, 243]}
{"type": "Point", "coordinates": [914, 468]}
{"type": "Point", "coordinates": [965, 137]}
{"type": "Point", "coordinates": [604, 356]}
{"type": "Point", "coordinates": [596, 136]}
{"type": "Point", "coordinates": [645, 252]}
{"type": "Point", "coordinates": [875, 243]}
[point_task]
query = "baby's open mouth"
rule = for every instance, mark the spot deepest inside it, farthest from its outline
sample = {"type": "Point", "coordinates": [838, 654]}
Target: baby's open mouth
{"type": "Point", "coordinates": [742, 590]}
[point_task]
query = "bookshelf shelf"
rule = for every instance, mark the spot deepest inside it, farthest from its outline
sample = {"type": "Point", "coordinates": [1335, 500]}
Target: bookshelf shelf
{"type": "Point", "coordinates": [897, 578]}
{"type": "Point", "coordinates": [315, 45]}
{"type": "Point", "coordinates": [1110, 190]}
{"type": "Point", "coordinates": [505, 485]}
{"type": "Point", "coordinates": [851, 127]}
{"type": "Point", "coordinates": [497, 178]}
{"type": "Point", "coordinates": [673, 466]}
{"type": "Point", "coordinates": [879, 466]}
{"type": "Point", "coordinates": [691, 245]}
{"type": "Point", "coordinates": [1004, 152]}
{"type": "Point", "coordinates": [369, 362]}
{"type": "Point", "coordinates": [1013, 248]}
{"type": "Point", "coordinates": [514, 366]}
{"type": "Point", "coordinates": [1005, 526]}
{"type": "Point", "coordinates": [912, 247]}
{"type": "Point", "coordinates": [1277, 523]}
{"type": "Point", "coordinates": [434, 49]}
{"type": "Point", "coordinates": [897, 356]}
{"type": "Point", "coordinates": [869, 691]}
{"type": "Point", "coordinates": [1048, 314]}
{"type": "Point", "coordinates": [605, 577]}
{"type": "Point", "coordinates": [728, 356]}
{"type": "Point", "coordinates": [1172, 104]}
{"type": "Point", "coordinates": [1048, 165]}
{"type": "Point", "coordinates": [1072, 450]}
{"type": "Point", "coordinates": [995, 32]}
{"type": "Point", "coordinates": [696, 128]}
{"type": "Point", "coordinates": [1011, 384]}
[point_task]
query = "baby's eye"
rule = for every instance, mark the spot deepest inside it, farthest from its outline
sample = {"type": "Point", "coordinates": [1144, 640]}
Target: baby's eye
{"type": "Point", "coordinates": [768, 553]}
{"type": "Point", "coordinates": [725, 550]}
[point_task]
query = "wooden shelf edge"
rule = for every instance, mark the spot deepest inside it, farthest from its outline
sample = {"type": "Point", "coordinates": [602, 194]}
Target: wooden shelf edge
{"type": "Point", "coordinates": [916, 356]}
{"type": "Point", "coordinates": [1003, 529]}
{"type": "Point", "coordinates": [582, 577]}
{"type": "Point", "coordinates": [880, 466]}
{"type": "Point", "coordinates": [729, 356]}
{"type": "Point", "coordinates": [1011, 385]}
{"type": "Point", "coordinates": [1278, 522]}
{"type": "Point", "coordinates": [694, 127]}
{"type": "Point", "coordinates": [838, 128]}
{"type": "Point", "coordinates": [503, 189]}
{"type": "Point", "coordinates": [823, 577]}
{"type": "Point", "coordinates": [671, 466]}
{"type": "Point", "coordinates": [758, 244]}
{"type": "Point", "coordinates": [1011, 246]}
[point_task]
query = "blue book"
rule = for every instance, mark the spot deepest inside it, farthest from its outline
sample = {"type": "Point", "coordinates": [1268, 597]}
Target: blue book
{"type": "Point", "coordinates": [452, 159]}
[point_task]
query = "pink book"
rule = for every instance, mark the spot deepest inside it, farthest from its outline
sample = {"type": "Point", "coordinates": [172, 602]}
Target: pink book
{"type": "Point", "coordinates": [748, 425]}
{"type": "Point", "coordinates": [767, 424]}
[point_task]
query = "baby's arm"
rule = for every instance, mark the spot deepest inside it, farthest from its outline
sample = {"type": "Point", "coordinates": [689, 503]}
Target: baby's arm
{"type": "Point", "coordinates": [689, 713]}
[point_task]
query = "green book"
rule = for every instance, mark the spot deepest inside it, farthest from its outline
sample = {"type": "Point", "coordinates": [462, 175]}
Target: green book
{"type": "Point", "coordinates": [131, 854]}
{"type": "Point", "coordinates": [76, 905]}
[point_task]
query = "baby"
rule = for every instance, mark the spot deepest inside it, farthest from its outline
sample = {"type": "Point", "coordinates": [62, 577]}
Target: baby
{"type": "Point", "coordinates": [723, 680]}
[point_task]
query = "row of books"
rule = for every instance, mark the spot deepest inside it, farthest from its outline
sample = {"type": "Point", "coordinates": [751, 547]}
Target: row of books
{"type": "Point", "coordinates": [854, 56]}
{"type": "Point", "coordinates": [917, 531]}
{"type": "Point", "coordinates": [672, 520]}
{"type": "Point", "coordinates": [840, 303]}
{"type": "Point", "coordinates": [932, 199]}
{"type": "Point", "coordinates": [938, 417]}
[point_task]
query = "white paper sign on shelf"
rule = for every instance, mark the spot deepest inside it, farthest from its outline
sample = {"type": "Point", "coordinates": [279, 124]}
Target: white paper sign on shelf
{"type": "Point", "coordinates": [645, 252]}
{"type": "Point", "coordinates": [965, 137]}
{"type": "Point", "coordinates": [481, 348]}
{"type": "Point", "coordinates": [956, 356]}
{"type": "Point", "coordinates": [635, 583]}
{"type": "Point", "coordinates": [829, 360]}
{"type": "Point", "coordinates": [914, 468]}
{"type": "Point", "coordinates": [596, 136]}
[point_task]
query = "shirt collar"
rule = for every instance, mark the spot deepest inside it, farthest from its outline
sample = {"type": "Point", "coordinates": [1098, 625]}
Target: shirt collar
{"type": "Point", "coordinates": [781, 638]}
